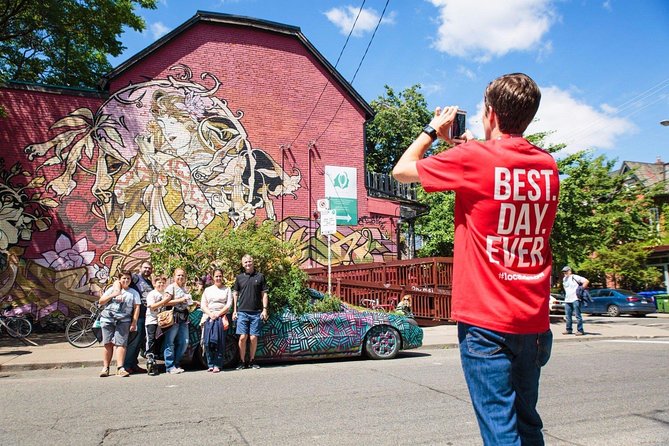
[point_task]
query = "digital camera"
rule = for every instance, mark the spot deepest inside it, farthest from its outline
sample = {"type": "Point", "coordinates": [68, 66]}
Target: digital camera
{"type": "Point", "coordinates": [459, 124]}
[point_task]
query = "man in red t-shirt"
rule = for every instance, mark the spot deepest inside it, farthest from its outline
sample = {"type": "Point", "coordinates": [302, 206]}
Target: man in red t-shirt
{"type": "Point", "coordinates": [506, 195]}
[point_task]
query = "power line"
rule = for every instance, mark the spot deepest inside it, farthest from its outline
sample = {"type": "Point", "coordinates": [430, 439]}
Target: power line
{"type": "Point", "coordinates": [371, 39]}
{"type": "Point", "coordinates": [328, 80]}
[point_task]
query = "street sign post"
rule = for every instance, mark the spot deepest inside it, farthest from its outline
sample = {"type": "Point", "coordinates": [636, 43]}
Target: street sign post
{"type": "Point", "coordinates": [329, 227]}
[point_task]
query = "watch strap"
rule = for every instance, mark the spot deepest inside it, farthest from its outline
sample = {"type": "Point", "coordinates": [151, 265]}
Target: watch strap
{"type": "Point", "coordinates": [430, 131]}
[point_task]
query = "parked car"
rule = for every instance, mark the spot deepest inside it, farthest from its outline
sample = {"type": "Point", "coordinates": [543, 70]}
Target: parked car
{"type": "Point", "coordinates": [348, 332]}
{"type": "Point", "coordinates": [615, 302]}
{"type": "Point", "coordinates": [556, 303]}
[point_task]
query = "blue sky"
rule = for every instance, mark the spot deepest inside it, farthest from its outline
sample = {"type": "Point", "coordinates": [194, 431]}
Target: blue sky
{"type": "Point", "coordinates": [602, 65]}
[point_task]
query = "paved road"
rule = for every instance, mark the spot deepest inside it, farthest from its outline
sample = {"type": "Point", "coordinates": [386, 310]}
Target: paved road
{"type": "Point", "coordinates": [594, 393]}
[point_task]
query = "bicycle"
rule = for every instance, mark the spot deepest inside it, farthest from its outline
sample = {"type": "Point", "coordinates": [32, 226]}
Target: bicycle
{"type": "Point", "coordinates": [15, 326]}
{"type": "Point", "coordinates": [80, 331]}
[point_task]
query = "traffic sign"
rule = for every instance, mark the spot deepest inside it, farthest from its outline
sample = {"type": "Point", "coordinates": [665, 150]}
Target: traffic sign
{"type": "Point", "coordinates": [328, 222]}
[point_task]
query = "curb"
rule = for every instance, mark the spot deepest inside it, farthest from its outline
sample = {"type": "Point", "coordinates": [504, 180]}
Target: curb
{"type": "Point", "coordinates": [49, 366]}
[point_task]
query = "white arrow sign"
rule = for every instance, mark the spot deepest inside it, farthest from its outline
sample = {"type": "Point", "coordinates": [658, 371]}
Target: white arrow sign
{"type": "Point", "coordinates": [344, 217]}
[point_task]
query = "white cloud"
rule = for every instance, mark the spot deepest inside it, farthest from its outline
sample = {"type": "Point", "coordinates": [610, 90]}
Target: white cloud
{"type": "Point", "coordinates": [483, 29]}
{"type": "Point", "coordinates": [572, 122]}
{"type": "Point", "coordinates": [344, 18]}
{"type": "Point", "coordinates": [466, 72]}
{"type": "Point", "coordinates": [158, 29]}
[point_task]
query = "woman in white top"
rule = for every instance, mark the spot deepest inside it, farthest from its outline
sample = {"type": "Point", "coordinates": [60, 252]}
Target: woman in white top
{"type": "Point", "coordinates": [215, 304]}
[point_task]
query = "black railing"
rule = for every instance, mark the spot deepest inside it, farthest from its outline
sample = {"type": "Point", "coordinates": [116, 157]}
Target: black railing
{"type": "Point", "coordinates": [385, 186]}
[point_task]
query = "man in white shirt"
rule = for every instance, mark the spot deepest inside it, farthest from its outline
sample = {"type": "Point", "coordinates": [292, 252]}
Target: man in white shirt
{"type": "Point", "coordinates": [572, 305]}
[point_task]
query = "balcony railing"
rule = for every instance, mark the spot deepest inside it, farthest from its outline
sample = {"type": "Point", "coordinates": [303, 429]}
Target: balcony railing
{"type": "Point", "coordinates": [385, 186]}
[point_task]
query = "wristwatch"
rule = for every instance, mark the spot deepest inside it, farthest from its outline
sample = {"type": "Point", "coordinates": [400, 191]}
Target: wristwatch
{"type": "Point", "coordinates": [431, 132]}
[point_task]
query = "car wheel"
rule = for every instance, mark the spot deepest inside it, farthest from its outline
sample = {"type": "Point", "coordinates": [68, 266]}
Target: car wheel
{"type": "Point", "coordinates": [613, 311]}
{"type": "Point", "coordinates": [382, 342]}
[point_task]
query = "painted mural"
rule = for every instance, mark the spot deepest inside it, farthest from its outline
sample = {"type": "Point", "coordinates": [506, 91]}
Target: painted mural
{"type": "Point", "coordinates": [155, 154]}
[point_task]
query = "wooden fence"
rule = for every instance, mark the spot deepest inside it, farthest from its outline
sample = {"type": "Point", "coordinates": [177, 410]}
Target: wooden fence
{"type": "Point", "coordinates": [428, 282]}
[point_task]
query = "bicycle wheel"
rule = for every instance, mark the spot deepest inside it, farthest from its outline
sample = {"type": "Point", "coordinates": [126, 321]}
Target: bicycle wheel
{"type": "Point", "coordinates": [79, 331]}
{"type": "Point", "coordinates": [18, 327]}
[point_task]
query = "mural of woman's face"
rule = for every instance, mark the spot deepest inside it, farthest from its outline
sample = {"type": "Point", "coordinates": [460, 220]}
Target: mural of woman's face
{"type": "Point", "coordinates": [177, 135]}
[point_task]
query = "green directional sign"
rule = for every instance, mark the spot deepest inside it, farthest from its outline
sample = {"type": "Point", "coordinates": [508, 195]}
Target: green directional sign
{"type": "Point", "coordinates": [346, 209]}
{"type": "Point", "coordinates": [341, 188]}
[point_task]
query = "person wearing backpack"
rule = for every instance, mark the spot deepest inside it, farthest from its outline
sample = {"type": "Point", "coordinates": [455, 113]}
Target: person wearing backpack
{"type": "Point", "coordinates": [572, 303]}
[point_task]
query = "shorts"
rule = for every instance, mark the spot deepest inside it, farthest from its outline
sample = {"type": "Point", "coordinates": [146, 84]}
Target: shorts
{"type": "Point", "coordinates": [249, 322]}
{"type": "Point", "coordinates": [116, 333]}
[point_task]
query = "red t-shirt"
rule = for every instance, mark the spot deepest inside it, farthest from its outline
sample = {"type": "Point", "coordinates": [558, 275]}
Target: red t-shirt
{"type": "Point", "coordinates": [506, 195]}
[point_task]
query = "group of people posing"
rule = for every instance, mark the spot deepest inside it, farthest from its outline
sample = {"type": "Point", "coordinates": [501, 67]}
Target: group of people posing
{"type": "Point", "coordinates": [133, 304]}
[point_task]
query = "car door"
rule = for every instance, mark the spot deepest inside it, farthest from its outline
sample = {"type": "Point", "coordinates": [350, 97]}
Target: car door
{"type": "Point", "coordinates": [596, 305]}
{"type": "Point", "coordinates": [603, 301]}
{"type": "Point", "coordinates": [324, 334]}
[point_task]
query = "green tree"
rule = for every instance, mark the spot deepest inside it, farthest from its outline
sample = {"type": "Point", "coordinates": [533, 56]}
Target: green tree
{"type": "Point", "coordinates": [598, 209]}
{"type": "Point", "coordinates": [223, 247]}
{"type": "Point", "coordinates": [64, 42]}
{"type": "Point", "coordinates": [625, 265]}
{"type": "Point", "coordinates": [399, 118]}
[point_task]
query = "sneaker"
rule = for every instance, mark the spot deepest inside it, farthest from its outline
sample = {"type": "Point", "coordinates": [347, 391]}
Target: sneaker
{"type": "Point", "coordinates": [123, 373]}
{"type": "Point", "coordinates": [253, 365]}
{"type": "Point", "coordinates": [104, 372]}
{"type": "Point", "coordinates": [566, 332]}
{"type": "Point", "coordinates": [241, 366]}
{"type": "Point", "coordinates": [210, 369]}
{"type": "Point", "coordinates": [580, 333]}
{"type": "Point", "coordinates": [215, 370]}
{"type": "Point", "coordinates": [174, 371]}
{"type": "Point", "coordinates": [180, 370]}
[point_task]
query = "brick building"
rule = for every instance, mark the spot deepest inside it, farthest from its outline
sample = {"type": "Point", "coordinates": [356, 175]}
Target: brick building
{"type": "Point", "coordinates": [223, 120]}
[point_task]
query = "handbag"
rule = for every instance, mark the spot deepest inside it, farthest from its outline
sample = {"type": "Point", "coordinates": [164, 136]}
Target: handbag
{"type": "Point", "coordinates": [166, 318]}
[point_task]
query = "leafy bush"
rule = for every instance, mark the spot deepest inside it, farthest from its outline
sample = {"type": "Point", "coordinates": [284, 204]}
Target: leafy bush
{"type": "Point", "coordinates": [223, 247]}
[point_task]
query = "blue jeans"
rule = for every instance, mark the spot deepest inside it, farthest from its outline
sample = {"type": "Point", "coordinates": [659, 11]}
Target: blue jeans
{"type": "Point", "coordinates": [176, 333]}
{"type": "Point", "coordinates": [214, 358]}
{"type": "Point", "coordinates": [134, 345]}
{"type": "Point", "coordinates": [502, 372]}
{"type": "Point", "coordinates": [575, 308]}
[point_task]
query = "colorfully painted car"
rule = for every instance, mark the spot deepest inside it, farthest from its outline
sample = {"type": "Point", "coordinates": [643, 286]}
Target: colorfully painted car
{"type": "Point", "coordinates": [349, 332]}
{"type": "Point", "coordinates": [615, 302]}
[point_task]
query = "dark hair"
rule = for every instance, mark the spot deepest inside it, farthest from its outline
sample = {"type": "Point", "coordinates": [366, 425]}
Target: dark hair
{"type": "Point", "coordinates": [215, 270]}
{"type": "Point", "coordinates": [125, 272]}
{"type": "Point", "coordinates": [515, 100]}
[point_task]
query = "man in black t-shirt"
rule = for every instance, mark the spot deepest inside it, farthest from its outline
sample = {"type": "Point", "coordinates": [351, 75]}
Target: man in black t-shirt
{"type": "Point", "coordinates": [250, 302]}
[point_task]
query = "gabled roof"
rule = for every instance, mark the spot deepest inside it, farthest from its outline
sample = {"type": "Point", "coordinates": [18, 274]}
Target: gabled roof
{"type": "Point", "coordinates": [648, 174]}
{"type": "Point", "coordinates": [234, 20]}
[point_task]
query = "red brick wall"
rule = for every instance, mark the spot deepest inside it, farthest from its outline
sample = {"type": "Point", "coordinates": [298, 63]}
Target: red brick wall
{"type": "Point", "coordinates": [276, 82]}
{"type": "Point", "coordinates": [72, 226]}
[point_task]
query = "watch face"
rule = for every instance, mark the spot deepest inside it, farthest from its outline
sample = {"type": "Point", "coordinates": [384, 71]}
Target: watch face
{"type": "Point", "coordinates": [430, 131]}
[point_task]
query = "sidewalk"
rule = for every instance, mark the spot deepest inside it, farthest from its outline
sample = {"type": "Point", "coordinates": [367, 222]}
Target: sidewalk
{"type": "Point", "coordinates": [53, 351]}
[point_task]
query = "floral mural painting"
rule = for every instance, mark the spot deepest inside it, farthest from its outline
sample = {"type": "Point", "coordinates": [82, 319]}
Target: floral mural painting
{"type": "Point", "coordinates": [164, 152]}
{"type": "Point", "coordinates": [23, 210]}
{"type": "Point", "coordinates": [107, 181]}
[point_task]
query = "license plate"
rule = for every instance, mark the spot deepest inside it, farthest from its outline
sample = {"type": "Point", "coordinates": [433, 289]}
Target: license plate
{"type": "Point", "coordinates": [644, 301]}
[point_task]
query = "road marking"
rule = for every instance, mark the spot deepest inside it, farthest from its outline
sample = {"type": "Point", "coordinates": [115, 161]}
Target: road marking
{"type": "Point", "coordinates": [637, 341]}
